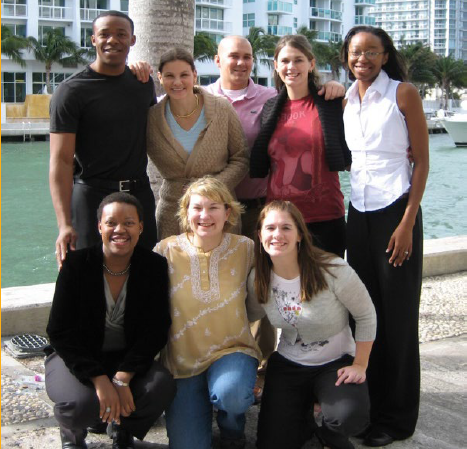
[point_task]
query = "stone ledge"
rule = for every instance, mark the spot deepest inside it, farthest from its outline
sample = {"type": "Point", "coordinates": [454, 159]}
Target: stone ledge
{"type": "Point", "coordinates": [26, 309]}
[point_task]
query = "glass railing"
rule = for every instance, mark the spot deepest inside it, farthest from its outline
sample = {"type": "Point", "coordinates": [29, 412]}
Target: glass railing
{"type": "Point", "coordinates": [279, 30]}
{"type": "Point", "coordinates": [329, 36]}
{"type": "Point", "coordinates": [213, 25]}
{"type": "Point", "coordinates": [365, 2]}
{"type": "Point", "coordinates": [278, 6]}
{"type": "Point", "coordinates": [326, 13]}
{"type": "Point", "coordinates": [54, 12]}
{"type": "Point", "coordinates": [89, 14]}
{"type": "Point", "coordinates": [365, 20]}
{"type": "Point", "coordinates": [14, 10]}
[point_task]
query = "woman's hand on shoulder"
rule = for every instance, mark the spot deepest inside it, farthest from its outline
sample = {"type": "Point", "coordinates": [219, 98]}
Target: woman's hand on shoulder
{"type": "Point", "coordinates": [353, 374]}
{"type": "Point", "coordinates": [332, 90]}
{"type": "Point", "coordinates": [109, 401]}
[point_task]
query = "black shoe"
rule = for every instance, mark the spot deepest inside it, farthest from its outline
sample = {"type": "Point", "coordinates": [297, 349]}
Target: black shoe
{"type": "Point", "coordinates": [364, 433]}
{"type": "Point", "coordinates": [377, 438]}
{"type": "Point", "coordinates": [122, 439]}
{"type": "Point", "coordinates": [228, 443]}
{"type": "Point", "coordinates": [98, 428]}
{"type": "Point", "coordinates": [68, 444]}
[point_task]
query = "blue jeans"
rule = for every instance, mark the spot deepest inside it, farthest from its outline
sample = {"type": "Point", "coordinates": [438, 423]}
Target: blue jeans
{"type": "Point", "coordinates": [228, 385]}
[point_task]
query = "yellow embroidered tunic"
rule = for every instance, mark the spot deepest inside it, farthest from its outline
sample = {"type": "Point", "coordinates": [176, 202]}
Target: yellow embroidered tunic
{"type": "Point", "coordinates": [207, 302]}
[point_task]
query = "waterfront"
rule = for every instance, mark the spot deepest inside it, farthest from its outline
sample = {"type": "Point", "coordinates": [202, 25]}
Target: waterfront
{"type": "Point", "coordinates": [29, 228]}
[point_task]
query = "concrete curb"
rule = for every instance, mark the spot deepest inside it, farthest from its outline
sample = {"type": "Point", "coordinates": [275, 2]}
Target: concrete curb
{"type": "Point", "coordinates": [26, 309]}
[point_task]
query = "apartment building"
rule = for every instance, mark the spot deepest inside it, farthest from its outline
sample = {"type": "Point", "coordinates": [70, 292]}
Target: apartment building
{"type": "Point", "coordinates": [330, 18]}
{"type": "Point", "coordinates": [441, 24]}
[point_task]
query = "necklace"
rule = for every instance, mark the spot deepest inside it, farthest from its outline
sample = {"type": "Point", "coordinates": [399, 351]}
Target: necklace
{"type": "Point", "coordinates": [192, 112]}
{"type": "Point", "coordinates": [116, 273]}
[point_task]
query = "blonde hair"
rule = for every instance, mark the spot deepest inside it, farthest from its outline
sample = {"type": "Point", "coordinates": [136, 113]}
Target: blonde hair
{"type": "Point", "coordinates": [312, 261]}
{"type": "Point", "coordinates": [215, 190]}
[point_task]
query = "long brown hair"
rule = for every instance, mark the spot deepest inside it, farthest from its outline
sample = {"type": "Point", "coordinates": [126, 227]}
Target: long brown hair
{"type": "Point", "coordinates": [312, 261]}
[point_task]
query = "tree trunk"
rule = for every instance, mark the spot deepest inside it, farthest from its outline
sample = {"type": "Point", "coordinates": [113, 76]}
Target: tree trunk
{"type": "Point", "coordinates": [159, 26]}
{"type": "Point", "coordinates": [48, 69]}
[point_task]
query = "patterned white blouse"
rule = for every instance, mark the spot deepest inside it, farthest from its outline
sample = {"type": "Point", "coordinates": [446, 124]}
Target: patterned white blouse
{"type": "Point", "coordinates": [207, 302]}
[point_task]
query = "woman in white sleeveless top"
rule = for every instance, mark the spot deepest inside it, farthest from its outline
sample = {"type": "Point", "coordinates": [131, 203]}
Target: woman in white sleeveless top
{"type": "Point", "coordinates": [383, 118]}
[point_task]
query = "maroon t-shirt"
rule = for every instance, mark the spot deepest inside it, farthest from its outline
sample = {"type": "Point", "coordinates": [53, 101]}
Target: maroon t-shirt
{"type": "Point", "coordinates": [299, 172]}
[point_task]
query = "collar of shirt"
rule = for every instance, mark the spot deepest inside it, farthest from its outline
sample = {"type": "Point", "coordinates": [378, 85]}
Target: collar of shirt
{"type": "Point", "coordinates": [380, 85]}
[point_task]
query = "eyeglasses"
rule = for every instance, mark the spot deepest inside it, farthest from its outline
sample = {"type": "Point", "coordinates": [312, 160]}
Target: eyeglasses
{"type": "Point", "coordinates": [368, 54]}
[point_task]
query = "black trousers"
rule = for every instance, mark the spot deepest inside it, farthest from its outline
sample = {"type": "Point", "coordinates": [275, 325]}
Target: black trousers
{"type": "Point", "coordinates": [329, 235]}
{"type": "Point", "coordinates": [77, 406]}
{"type": "Point", "coordinates": [85, 201]}
{"type": "Point", "coordinates": [394, 368]}
{"type": "Point", "coordinates": [289, 392]}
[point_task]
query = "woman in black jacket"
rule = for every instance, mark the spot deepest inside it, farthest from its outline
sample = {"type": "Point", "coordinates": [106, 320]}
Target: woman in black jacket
{"type": "Point", "coordinates": [109, 320]}
{"type": "Point", "coordinates": [301, 145]}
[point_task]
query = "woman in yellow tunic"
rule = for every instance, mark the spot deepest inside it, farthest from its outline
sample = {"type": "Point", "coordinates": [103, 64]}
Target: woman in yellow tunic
{"type": "Point", "coordinates": [211, 352]}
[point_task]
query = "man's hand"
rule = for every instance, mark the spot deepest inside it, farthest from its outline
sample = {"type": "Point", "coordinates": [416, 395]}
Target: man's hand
{"type": "Point", "coordinates": [66, 238]}
{"type": "Point", "coordinates": [142, 70]}
{"type": "Point", "coordinates": [331, 90]}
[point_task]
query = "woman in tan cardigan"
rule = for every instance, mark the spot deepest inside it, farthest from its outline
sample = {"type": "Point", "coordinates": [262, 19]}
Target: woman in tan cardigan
{"type": "Point", "coordinates": [191, 133]}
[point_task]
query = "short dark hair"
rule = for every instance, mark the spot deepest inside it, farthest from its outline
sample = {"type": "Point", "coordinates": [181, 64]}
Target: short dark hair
{"type": "Point", "coordinates": [114, 14]}
{"type": "Point", "coordinates": [176, 54]}
{"type": "Point", "coordinates": [395, 67]}
{"type": "Point", "coordinates": [121, 197]}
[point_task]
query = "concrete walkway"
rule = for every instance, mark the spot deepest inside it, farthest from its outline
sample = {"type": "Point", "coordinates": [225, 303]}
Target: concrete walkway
{"type": "Point", "coordinates": [442, 423]}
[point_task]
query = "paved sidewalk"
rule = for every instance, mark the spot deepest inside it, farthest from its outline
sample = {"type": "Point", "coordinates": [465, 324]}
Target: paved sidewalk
{"type": "Point", "coordinates": [28, 423]}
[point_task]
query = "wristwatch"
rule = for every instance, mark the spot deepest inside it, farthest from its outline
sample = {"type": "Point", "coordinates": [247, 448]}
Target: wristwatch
{"type": "Point", "coordinates": [119, 382]}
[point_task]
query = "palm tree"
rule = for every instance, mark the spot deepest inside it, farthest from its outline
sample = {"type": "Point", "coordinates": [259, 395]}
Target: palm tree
{"type": "Point", "coordinates": [159, 26]}
{"type": "Point", "coordinates": [204, 48]}
{"type": "Point", "coordinates": [263, 46]}
{"type": "Point", "coordinates": [420, 60]}
{"type": "Point", "coordinates": [56, 48]}
{"type": "Point", "coordinates": [449, 73]}
{"type": "Point", "coordinates": [12, 46]}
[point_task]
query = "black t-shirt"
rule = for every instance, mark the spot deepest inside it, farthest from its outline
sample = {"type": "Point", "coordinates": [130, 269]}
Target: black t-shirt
{"type": "Point", "coordinates": [108, 114]}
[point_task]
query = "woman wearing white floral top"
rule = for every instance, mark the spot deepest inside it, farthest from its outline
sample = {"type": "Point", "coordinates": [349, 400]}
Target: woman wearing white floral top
{"type": "Point", "coordinates": [210, 352]}
{"type": "Point", "coordinates": [309, 293]}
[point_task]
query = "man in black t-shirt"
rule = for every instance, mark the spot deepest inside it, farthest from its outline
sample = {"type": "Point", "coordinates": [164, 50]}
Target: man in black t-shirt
{"type": "Point", "coordinates": [98, 138]}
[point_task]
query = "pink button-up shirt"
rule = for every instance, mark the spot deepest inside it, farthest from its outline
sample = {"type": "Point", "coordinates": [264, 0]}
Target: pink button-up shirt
{"type": "Point", "coordinates": [248, 108]}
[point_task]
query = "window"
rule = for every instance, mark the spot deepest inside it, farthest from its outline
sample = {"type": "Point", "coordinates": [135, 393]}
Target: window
{"type": "Point", "coordinates": [86, 34]}
{"type": "Point", "coordinates": [13, 87]}
{"type": "Point", "coordinates": [206, 80]}
{"type": "Point", "coordinates": [295, 22]}
{"type": "Point", "coordinates": [124, 6]}
{"type": "Point", "coordinates": [43, 29]}
{"type": "Point", "coordinates": [248, 1]}
{"type": "Point", "coordinates": [203, 12]}
{"type": "Point", "coordinates": [39, 81]}
{"type": "Point", "coordinates": [248, 20]}
{"type": "Point", "coordinates": [273, 19]}
{"type": "Point", "coordinates": [52, 3]}
{"type": "Point", "coordinates": [14, 7]}
{"type": "Point", "coordinates": [16, 30]}
{"type": "Point", "coordinates": [93, 4]}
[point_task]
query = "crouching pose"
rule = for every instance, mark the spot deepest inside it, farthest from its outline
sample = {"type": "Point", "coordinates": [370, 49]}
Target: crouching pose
{"type": "Point", "coordinates": [309, 293]}
{"type": "Point", "coordinates": [109, 319]}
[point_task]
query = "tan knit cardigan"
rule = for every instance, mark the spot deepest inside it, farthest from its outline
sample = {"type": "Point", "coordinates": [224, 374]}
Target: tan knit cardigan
{"type": "Point", "coordinates": [219, 151]}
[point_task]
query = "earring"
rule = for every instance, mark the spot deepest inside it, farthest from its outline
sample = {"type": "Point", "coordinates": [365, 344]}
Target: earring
{"type": "Point", "coordinates": [140, 232]}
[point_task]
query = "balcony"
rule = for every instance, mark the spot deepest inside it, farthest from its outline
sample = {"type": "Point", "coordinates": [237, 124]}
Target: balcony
{"type": "Point", "coordinates": [279, 30]}
{"type": "Point", "coordinates": [14, 10]}
{"type": "Point", "coordinates": [89, 14]}
{"type": "Point", "coordinates": [212, 25]}
{"type": "Point", "coordinates": [329, 36]}
{"type": "Point", "coordinates": [365, 20]}
{"type": "Point", "coordinates": [279, 7]}
{"type": "Point", "coordinates": [328, 14]}
{"type": "Point", "coordinates": [217, 3]}
{"type": "Point", "coordinates": [55, 12]}
{"type": "Point", "coordinates": [365, 2]}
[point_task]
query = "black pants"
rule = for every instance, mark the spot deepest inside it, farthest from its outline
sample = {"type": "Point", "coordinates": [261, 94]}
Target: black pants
{"type": "Point", "coordinates": [289, 392]}
{"type": "Point", "coordinates": [77, 406]}
{"type": "Point", "coordinates": [394, 367]}
{"type": "Point", "coordinates": [85, 201]}
{"type": "Point", "coordinates": [329, 235]}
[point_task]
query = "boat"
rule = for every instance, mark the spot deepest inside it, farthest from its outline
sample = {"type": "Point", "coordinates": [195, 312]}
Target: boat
{"type": "Point", "coordinates": [456, 126]}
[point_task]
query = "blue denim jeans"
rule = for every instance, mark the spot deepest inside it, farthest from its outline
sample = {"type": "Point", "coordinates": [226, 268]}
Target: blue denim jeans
{"type": "Point", "coordinates": [228, 385]}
